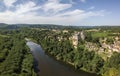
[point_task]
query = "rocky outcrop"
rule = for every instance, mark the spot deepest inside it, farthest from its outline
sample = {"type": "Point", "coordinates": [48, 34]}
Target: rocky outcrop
{"type": "Point", "coordinates": [76, 37]}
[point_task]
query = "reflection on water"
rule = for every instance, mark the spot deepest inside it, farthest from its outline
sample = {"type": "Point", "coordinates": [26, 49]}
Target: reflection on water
{"type": "Point", "coordinates": [46, 66]}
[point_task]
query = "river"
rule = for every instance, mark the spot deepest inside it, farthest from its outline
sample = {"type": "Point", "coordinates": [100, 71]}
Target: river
{"type": "Point", "coordinates": [44, 65]}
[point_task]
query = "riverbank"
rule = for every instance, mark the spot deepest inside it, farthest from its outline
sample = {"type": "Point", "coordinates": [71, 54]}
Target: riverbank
{"type": "Point", "coordinates": [48, 64]}
{"type": "Point", "coordinates": [67, 65]}
{"type": "Point", "coordinates": [70, 65]}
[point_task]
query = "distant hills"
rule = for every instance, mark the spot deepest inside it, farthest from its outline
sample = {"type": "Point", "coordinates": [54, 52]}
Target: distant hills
{"type": "Point", "coordinates": [3, 24]}
{"type": "Point", "coordinates": [50, 26]}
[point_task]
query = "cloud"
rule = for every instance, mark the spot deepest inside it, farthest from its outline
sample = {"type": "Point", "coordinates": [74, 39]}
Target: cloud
{"type": "Point", "coordinates": [71, 13]}
{"type": "Point", "coordinates": [54, 6]}
{"type": "Point", "coordinates": [9, 3]}
{"type": "Point", "coordinates": [91, 8]}
{"type": "Point", "coordinates": [27, 7]}
{"type": "Point", "coordinates": [72, 2]}
{"type": "Point", "coordinates": [61, 13]}
{"type": "Point", "coordinates": [83, 1]}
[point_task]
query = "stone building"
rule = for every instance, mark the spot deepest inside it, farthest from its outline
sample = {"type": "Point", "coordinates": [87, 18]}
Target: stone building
{"type": "Point", "coordinates": [76, 37]}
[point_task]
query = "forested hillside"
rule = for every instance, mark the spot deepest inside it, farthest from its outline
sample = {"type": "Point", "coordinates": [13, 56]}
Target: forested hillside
{"type": "Point", "coordinates": [15, 56]}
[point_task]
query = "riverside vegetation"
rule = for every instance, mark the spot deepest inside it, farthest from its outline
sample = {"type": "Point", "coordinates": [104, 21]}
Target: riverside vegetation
{"type": "Point", "coordinates": [15, 56]}
{"type": "Point", "coordinates": [84, 51]}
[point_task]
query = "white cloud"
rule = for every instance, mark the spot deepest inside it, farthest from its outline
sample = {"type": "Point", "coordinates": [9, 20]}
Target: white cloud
{"type": "Point", "coordinates": [83, 1]}
{"type": "Point", "coordinates": [72, 18]}
{"type": "Point", "coordinates": [27, 13]}
{"type": "Point", "coordinates": [72, 2]}
{"type": "Point", "coordinates": [91, 8]}
{"type": "Point", "coordinates": [9, 3]}
{"type": "Point", "coordinates": [71, 13]}
{"type": "Point", "coordinates": [55, 6]}
{"type": "Point", "coordinates": [27, 7]}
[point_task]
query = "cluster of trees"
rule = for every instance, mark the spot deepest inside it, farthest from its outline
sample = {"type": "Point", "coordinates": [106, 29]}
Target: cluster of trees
{"type": "Point", "coordinates": [15, 56]}
{"type": "Point", "coordinates": [112, 66]}
{"type": "Point", "coordinates": [79, 58]}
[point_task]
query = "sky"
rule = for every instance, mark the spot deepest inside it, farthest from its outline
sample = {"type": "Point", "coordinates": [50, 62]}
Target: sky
{"type": "Point", "coordinates": [62, 12]}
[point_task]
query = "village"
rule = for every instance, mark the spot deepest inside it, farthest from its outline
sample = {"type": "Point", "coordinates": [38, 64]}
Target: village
{"type": "Point", "coordinates": [103, 48]}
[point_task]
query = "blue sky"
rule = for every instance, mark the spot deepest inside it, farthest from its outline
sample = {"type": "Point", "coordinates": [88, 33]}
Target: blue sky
{"type": "Point", "coordinates": [66, 12]}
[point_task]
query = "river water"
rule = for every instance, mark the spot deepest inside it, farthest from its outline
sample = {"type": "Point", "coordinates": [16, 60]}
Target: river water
{"type": "Point", "coordinates": [47, 66]}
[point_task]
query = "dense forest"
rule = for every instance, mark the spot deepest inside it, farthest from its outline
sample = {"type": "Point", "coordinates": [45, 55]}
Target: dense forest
{"type": "Point", "coordinates": [16, 59]}
{"type": "Point", "coordinates": [15, 56]}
